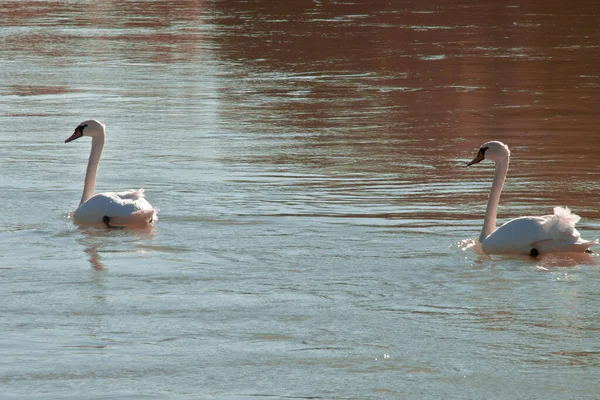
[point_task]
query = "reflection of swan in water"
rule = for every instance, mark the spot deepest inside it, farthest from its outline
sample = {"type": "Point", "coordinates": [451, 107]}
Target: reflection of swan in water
{"type": "Point", "coordinates": [524, 235]}
{"type": "Point", "coordinates": [96, 241]}
{"type": "Point", "coordinates": [128, 208]}
{"type": "Point", "coordinates": [92, 251]}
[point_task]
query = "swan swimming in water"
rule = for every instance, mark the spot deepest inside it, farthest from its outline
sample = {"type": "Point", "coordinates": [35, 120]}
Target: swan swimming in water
{"type": "Point", "coordinates": [525, 235]}
{"type": "Point", "coordinates": [113, 209]}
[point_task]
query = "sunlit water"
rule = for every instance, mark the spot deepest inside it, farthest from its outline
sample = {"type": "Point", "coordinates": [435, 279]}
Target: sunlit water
{"type": "Point", "coordinates": [317, 220]}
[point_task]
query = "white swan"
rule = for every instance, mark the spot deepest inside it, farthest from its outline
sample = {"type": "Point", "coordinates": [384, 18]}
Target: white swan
{"type": "Point", "coordinates": [113, 209]}
{"type": "Point", "coordinates": [524, 235]}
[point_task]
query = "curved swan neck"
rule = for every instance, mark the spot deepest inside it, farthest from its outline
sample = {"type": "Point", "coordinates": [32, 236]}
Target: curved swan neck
{"type": "Point", "coordinates": [489, 223]}
{"type": "Point", "coordinates": [92, 168]}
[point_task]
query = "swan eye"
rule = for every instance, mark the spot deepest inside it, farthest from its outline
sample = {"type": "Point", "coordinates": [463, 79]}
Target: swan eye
{"type": "Point", "coordinates": [482, 150]}
{"type": "Point", "coordinates": [80, 128]}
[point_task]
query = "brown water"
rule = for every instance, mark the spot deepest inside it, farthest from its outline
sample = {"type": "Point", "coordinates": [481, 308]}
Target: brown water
{"type": "Point", "coordinates": [316, 215]}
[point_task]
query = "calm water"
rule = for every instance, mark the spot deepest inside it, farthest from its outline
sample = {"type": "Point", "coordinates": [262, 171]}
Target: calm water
{"type": "Point", "coordinates": [316, 214]}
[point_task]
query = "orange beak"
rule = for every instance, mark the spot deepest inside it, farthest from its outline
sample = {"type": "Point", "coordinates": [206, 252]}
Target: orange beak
{"type": "Point", "coordinates": [478, 158]}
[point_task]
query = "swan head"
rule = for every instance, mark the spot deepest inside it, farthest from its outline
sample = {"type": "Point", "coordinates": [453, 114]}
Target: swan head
{"type": "Point", "coordinates": [494, 151]}
{"type": "Point", "coordinates": [91, 128]}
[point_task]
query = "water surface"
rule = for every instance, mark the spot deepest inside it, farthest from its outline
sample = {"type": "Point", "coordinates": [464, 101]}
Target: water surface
{"type": "Point", "coordinates": [316, 215]}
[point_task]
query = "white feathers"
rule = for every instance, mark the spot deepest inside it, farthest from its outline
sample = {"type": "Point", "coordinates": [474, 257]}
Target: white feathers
{"type": "Point", "coordinates": [564, 213]}
{"type": "Point", "coordinates": [131, 194]}
{"type": "Point", "coordinates": [524, 235]}
{"type": "Point", "coordinates": [561, 225]}
{"type": "Point", "coordinates": [123, 208]}
{"type": "Point", "coordinates": [128, 208]}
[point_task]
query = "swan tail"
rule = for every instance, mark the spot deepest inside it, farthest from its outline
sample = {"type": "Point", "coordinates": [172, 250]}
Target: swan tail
{"type": "Point", "coordinates": [138, 218]}
{"type": "Point", "coordinates": [583, 245]}
{"type": "Point", "coordinates": [552, 246]}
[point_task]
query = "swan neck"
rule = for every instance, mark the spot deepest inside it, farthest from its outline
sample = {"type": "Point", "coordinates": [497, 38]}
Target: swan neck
{"type": "Point", "coordinates": [92, 168]}
{"type": "Point", "coordinates": [489, 223]}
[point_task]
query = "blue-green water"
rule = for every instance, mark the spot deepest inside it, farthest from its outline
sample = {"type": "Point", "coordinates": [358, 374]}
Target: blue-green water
{"type": "Point", "coordinates": [316, 214]}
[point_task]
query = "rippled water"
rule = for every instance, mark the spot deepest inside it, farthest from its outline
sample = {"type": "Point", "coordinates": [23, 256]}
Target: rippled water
{"type": "Point", "coordinates": [316, 215]}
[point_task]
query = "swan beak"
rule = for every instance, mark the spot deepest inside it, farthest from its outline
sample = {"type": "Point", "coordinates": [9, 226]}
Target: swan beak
{"type": "Point", "coordinates": [477, 159]}
{"type": "Point", "coordinates": [76, 135]}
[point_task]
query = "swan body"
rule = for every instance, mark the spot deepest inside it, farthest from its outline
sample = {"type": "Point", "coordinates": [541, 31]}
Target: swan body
{"type": "Point", "coordinates": [128, 208]}
{"type": "Point", "coordinates": [554, 233]}
{"type": "Point", "coordinates": [123, 208]}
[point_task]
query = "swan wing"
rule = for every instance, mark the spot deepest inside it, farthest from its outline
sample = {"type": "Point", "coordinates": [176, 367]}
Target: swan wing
{"type": "Point", "coordinates": [561, 225]}
{"type": "Point", "coordinates": [515, 236]}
